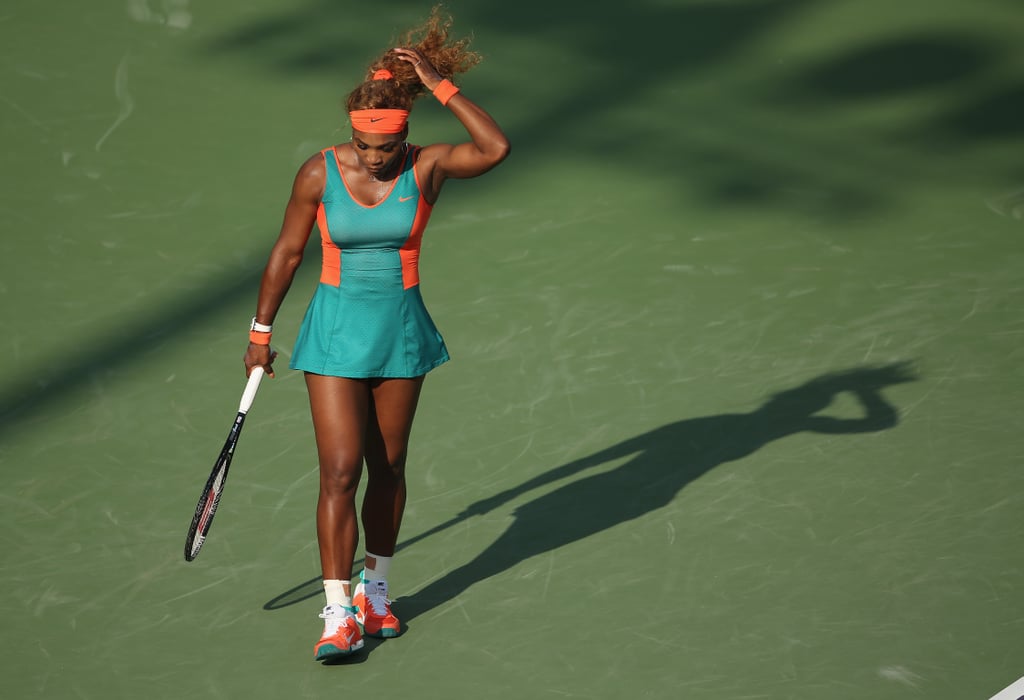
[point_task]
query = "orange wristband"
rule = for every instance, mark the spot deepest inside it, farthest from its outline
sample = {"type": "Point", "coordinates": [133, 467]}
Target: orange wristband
{"type": "Point", "coordinates": [444, 91]}
{"type": "Point", "coordinates": [258, 338]}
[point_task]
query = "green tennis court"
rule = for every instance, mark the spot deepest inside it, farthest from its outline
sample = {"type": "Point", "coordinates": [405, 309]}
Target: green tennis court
{"type": "Point", "coordinates": [737, 332]}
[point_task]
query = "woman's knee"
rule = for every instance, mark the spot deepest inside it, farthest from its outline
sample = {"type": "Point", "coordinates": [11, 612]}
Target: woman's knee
{"type": "Point", "coordinates": [340, 476]}
{"type": "Point", "coordinates": [386, 468]}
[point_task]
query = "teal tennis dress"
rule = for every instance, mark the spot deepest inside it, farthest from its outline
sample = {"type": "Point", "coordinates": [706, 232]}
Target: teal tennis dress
{"type": "Point", "coordinates": [367, 318]}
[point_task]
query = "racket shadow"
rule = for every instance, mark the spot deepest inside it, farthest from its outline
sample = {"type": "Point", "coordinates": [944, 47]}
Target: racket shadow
{"type": "Point", "coordinates": [303, 591]}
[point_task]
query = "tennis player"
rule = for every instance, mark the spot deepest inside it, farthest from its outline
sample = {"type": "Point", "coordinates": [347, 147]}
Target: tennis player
{"type": "Point", "coordinates": [367, 341]}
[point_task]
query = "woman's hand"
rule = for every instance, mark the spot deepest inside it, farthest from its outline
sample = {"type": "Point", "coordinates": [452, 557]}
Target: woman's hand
{"type": "Point", "coordinates": [424, 68]}
{"type": "Point", "coordinates": [487, 147]}
{"type": "Point", "coordinates": [259, 356]}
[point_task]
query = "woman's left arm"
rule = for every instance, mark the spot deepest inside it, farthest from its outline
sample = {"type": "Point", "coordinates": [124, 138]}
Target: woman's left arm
{"type": "Point", "coordinates": [488, 144]}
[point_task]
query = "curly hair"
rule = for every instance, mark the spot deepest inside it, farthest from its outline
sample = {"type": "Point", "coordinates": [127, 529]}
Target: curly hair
{"type": "Point", "coordinates": [449, 56]}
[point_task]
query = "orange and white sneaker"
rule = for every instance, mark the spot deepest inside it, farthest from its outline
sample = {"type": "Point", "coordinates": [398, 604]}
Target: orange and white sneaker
{"type": "Point", "coordinates": [373, 609]}
{"type": "Point", "coordinates": [341, 633]}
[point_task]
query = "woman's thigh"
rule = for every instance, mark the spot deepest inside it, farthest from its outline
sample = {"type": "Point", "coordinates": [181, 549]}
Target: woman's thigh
{"type": "Point", "coordinates": [389, 423]}
{"type": "Point", "coordinates": [340, 407]}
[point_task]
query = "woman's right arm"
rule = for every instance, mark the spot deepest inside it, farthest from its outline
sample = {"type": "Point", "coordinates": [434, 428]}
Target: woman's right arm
{"type": "Point", "coordinates": [286, 255]}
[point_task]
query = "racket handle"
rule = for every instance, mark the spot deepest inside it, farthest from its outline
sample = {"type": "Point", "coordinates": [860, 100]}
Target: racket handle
{"type": "Point", "coordinates": [250, 389]}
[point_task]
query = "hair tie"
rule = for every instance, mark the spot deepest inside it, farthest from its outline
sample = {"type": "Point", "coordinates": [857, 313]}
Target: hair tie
{"type": "Point", "coordinates": [383, 74]}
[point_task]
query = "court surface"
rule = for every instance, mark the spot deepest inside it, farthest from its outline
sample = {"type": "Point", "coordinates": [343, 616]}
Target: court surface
{"type": "Point", "coordinates": [735, 402]}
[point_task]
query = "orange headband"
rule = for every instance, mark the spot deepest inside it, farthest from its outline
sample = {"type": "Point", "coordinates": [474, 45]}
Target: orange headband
{"type": "Point", "coordinates": [379, 121]}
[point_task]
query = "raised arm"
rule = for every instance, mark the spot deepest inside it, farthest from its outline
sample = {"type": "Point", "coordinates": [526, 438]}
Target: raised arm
{"type": "Point", "coordinates": [286, 255]}
{"type": "Point", "coordinates": [487, 146]}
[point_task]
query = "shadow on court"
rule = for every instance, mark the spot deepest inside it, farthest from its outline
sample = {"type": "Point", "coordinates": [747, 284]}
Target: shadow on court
{"type": "Point", "coordinates": [54, 381]}
{"type": "Point", "coordinates": [656, 53]}
{"type": "Point", "coordinates": [654, 49]}
{"type": "Point", "coordinates": [664, 461]}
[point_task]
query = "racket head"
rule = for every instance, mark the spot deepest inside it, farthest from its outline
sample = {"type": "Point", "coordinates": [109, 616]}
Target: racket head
{"type": "Point", "coordinates": [206, 508]}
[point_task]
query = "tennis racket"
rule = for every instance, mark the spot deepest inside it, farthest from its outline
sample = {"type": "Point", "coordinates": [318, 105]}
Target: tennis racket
{"type": "Point", "coordinates": [207, 506]}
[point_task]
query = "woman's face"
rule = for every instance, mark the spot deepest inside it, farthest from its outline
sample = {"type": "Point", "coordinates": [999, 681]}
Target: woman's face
{"type": "Point", "coordinates": [379, 153]}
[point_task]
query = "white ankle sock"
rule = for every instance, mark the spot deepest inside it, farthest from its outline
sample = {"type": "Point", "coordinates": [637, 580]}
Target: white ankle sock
{"type": "Point", "coordinates": [380, 569]}
{"type": "Point", "coordinates": [335, 590]}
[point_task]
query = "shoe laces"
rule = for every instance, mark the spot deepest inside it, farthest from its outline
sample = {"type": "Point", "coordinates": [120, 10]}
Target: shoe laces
{"type": "Point", "coordinates": [377, 597]}
{"type": "Point", "coordinates": [334, 617]}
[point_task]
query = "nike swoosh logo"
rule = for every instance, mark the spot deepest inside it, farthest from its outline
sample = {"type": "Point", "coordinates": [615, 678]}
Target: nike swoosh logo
{"type": "Point", "coordinates": [406, 199]}
{"type": "Point", "coordinates": [374, 120]}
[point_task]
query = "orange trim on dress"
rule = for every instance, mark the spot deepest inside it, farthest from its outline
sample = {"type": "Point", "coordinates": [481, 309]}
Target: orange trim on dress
{"type": "Point", "coordinates": [410, 252]}
{"type": "Point", "coordinates": [330, 270]}
{"type": "Point", "coordinates": [415, 171]}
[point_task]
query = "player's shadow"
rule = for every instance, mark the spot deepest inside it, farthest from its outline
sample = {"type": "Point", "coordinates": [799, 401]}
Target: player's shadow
{"type": "Point", "coordinates": [663, 461]}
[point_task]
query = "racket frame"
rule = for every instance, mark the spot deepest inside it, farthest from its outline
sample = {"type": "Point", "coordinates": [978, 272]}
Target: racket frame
{"type": "Point", "coordinates": [206, 508]}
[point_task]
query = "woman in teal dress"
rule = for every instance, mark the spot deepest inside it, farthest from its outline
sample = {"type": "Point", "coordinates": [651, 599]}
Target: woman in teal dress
{"type": "Point", "coordinates": [367, 341]}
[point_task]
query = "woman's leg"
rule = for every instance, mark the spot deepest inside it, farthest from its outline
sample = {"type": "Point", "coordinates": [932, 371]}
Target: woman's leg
{"type": "Point", "coordinates": [340, 408]}
{"type": "Point", "coordinates": [388, 426]}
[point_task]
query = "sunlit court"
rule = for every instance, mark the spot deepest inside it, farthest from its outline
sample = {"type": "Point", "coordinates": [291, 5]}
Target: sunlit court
{"type": "Point", "coordinates": [735, 397]}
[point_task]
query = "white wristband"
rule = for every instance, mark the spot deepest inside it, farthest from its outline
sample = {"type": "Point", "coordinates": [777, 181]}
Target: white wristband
{"type": "Point", "coordinates": [260, 327]}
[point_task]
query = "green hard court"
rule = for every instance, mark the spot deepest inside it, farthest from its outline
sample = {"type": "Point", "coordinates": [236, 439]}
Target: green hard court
{"type": "Point", "coordinates": [737, 332]}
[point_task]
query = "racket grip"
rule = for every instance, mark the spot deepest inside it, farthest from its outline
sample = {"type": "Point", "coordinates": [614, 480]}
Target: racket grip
{"type": "Point", "coordinates": [255, 377]}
